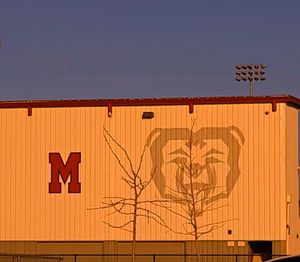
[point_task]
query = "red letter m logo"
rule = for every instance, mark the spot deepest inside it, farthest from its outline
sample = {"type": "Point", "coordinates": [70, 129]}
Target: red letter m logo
{"type": "Point", "coordinates": [58, 168]}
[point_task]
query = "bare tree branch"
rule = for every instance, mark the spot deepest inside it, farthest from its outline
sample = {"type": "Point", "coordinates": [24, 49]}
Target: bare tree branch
{"type": "Point", "coordinates": [133, 208]}
{"type": "Point", "coordinates": [141, 159]}
{"type": "Point", "coordinates": [113, 152]}
{"type": "Point", "coordinates": [194, 198]}
{"type": "Point", "coordinates": [123, 226]}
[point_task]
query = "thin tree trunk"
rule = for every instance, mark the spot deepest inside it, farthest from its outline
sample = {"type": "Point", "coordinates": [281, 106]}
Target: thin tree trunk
{"type": "Point", "coordinates": [134, 221]}
{"type": "Point", "coordinates": [134, 236]}
{"type": "Point", "coordinates": [194, 208]}
{"type": "Point", "coordinates": [197, 250]}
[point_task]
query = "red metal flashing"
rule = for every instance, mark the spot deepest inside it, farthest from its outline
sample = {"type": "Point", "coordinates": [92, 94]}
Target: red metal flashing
{"type": "Point", "coordinates": [191, 108]}
{"type": "Point", "coordinates": [274, 106]}
{"type": "Point", "coordinates": [189, 101]}
{"type": "Point", "coordinates": [29, 111]}
{"type": "Point", "coordinates": [109, 110]}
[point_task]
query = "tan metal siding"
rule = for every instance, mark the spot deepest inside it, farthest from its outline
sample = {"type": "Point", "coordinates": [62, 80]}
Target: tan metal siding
{"type": "Point", "coordinates": [292, 199]}
{"type": "Point", "coordinates": [254, 210]}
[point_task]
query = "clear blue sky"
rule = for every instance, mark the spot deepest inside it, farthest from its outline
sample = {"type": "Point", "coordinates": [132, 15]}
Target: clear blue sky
{"type": "Point", "coordinates": [113, 49]}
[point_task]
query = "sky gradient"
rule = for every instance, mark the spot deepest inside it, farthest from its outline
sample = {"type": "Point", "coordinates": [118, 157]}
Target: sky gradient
{"type": "Point", "coordinates": [122, 49]}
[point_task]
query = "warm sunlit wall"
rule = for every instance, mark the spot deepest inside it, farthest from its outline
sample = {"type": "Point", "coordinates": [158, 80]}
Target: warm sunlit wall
{"type": "Point", "coordinates": [255, 208]}
{"type": "Point", "coordinates": [293, 219]}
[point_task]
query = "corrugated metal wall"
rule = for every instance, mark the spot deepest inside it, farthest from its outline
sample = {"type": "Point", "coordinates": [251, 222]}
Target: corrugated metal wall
{"type": "Point", "coordinates": [244, 142]}
{"type": "Point", "coordinates": [292, 200]}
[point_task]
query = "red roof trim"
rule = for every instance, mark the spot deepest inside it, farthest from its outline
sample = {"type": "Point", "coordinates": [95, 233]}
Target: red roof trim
{"type": "Point", "coordinates": [293, 101]}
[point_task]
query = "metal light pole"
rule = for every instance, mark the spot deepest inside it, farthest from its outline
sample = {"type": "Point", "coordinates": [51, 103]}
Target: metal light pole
{"type": "Point", "coordinates": [249, 73]}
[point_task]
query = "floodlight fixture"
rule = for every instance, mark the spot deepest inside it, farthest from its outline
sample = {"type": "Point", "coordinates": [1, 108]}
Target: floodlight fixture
{"type": "Point", "coordinates": [250, 72]}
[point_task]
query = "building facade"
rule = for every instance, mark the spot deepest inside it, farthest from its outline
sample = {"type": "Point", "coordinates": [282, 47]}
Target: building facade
{"type": "Point", "coordinates": [226, 167]}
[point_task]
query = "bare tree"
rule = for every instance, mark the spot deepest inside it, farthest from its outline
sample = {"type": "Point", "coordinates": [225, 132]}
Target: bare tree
{"type": "Point", "coordinates": [130, 207]}
{"type": "Point", "coordinates": [194, 198]}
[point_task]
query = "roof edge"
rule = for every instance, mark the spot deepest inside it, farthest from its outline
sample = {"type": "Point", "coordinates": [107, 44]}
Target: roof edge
{"type": "Point", "coordinates": [291, 100]}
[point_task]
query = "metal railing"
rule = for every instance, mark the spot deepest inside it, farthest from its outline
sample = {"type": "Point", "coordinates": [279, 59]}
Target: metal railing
{"type": "Point", "coordinates": [10, 257]}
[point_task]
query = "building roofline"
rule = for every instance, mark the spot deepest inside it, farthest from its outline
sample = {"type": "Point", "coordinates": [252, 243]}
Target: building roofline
{"type": "Point", "coordinates": [190, 101]}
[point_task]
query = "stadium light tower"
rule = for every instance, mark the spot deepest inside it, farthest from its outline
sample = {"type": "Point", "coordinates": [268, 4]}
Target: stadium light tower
{"type": "Point", "coordinates": [249, 73]}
